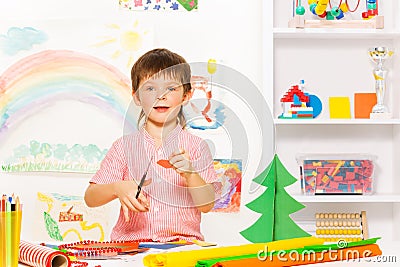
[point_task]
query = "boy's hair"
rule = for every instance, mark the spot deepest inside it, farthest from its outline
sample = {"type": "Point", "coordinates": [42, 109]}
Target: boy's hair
{"type": "Point", "coordinates": [161, 61]}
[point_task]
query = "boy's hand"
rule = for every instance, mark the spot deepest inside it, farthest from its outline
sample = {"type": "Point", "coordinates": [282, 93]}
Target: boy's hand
{"type": "Point", "coordinates": [181, 161]}
{"type": "Point", "coordinates": [126, 192]}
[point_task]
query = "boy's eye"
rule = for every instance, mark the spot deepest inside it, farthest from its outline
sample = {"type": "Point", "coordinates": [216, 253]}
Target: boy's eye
{"type": "Point", "coordinates": [149, 88]}
{"type": "Point", "coordinates": [171, 88]}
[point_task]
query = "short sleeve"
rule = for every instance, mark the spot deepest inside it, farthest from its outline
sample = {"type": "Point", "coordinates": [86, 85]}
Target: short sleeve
{"type": "Point", "coordinates": [113, 167]}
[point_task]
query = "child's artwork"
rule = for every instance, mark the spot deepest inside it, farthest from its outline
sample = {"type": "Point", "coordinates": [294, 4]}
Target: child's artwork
{"type": "Point", "coordinates": [67, 218]}
{"type": "Point", "coordinates": [159, 5]}
{"type": "Point", "coordinates": [48, 76]}
{"type": "Point", "coordinates": [54, 157]}
{"type": "Point", "coordinates": [47, 62]}
{"type": "Point", "coordinates": [229, 172]}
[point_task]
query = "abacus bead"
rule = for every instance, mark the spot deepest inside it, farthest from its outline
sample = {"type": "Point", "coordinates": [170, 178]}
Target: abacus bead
{"type": "Point", "coordinates": [300, 10]}
{"type": "Point", "coordinates": [364, 15]}
{"type": "Point", "coordinates": [312, 8]}
{"type": "Point", "coordinates": [372, 12]}
{"type": "Point", "coordinates": [344, 7]}
{"type": "Point", "coordinates": [341, 15]}
{"type": "Point", "coordinates": [310, 2]}
{"type": "Point", "coordinates": [319, 10]}
{"type": "Point", "coordinates": [323, 15]}
{"type": "Point", "coordinates": [335, 11]}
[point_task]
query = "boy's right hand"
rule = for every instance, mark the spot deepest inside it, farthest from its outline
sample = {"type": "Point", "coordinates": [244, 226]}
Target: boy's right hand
{"type": "Point", "coordinates": [126, 193]}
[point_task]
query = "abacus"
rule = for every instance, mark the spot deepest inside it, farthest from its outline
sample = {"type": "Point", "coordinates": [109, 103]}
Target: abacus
{"type": "Point", "coordinates": [331, 14]}
{"type": "Point", "coordinates": [349, 227]}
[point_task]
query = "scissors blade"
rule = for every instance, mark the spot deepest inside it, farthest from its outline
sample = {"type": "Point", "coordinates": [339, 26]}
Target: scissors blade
{"type": "Point", "coordinates": [143, 178]}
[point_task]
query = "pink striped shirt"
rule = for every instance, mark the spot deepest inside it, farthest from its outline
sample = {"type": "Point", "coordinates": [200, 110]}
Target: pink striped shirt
{"type": "Point", "coordinates": [172, 214]}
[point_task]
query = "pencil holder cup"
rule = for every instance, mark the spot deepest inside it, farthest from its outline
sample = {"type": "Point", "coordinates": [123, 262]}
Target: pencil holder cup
{"type": "Point", "coordinates": [10, 232]}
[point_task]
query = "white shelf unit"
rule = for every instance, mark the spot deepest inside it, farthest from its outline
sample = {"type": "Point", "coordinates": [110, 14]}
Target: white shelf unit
{"type": "Point", "coordinates": [335, 62]}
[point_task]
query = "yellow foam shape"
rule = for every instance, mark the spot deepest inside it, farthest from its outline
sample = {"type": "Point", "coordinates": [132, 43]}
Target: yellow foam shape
{"type": "Point", "coordinates": [189, 258]}
{"type": "Point", "coordinates": [339, 107]}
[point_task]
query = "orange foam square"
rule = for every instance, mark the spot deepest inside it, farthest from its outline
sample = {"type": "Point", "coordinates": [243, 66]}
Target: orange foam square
{"type": "Point", "coordinates": [363, 104]}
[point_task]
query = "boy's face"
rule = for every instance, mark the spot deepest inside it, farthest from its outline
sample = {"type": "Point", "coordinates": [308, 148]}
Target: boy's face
{"type": "Point", "coordinates": [161, 99]}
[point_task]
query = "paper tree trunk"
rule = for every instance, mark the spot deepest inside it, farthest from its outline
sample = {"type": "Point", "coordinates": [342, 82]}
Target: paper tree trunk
{"type": "Point", "coordinates": [275, 206]}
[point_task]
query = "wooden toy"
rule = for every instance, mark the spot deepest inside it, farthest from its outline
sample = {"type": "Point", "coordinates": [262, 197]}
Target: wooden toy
{"type": "Point", "coordinates": [333, 18]}
{"type": "Point", "coordinates": [348, 227]}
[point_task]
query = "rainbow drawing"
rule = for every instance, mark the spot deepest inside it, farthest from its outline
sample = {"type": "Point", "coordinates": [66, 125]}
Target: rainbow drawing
{"type": "Point", "coordinates": [51, 75]}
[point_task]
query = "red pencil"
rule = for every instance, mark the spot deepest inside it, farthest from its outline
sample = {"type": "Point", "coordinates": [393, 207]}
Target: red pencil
{"type": "Point", "coordinates": [3, 203]}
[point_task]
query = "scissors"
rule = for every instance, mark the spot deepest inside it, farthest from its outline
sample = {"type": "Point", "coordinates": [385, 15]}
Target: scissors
{"type": "Point", "coordinates": [143, 179]}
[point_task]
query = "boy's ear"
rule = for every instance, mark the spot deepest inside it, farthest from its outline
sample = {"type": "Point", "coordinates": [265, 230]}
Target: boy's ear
{"type": "Point", "coordinates": [136, 99]}
{"type": "Point", "coordinates": [187, 97]}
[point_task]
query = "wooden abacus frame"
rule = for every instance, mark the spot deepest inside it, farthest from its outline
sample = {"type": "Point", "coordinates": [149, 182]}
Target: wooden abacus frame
{"type": "Point", "coordinates": [333, 221]}
{"type": "Point", "coordinates": [299, 21]}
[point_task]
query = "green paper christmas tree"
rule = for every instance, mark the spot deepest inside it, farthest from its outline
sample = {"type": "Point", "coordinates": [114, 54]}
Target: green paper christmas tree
{"type": "Point", "coordinates": [275, 206]}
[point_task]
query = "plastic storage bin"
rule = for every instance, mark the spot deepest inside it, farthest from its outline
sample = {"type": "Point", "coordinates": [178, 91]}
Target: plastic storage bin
{"type": "Point", "coordinates": [336, 174]}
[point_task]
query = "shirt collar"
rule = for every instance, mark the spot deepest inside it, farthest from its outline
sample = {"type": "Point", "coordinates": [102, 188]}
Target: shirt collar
{"type": "Point", "coordinates": [171, 136]}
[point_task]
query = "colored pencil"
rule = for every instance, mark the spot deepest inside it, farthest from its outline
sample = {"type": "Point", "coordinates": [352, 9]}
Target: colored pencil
{"type": "Point", "coordinates": [8, 233]}
{"type": "Point", "coordinates": [10, 229]}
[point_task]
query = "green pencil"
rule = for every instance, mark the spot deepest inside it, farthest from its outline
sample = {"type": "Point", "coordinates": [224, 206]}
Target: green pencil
{"type": "Point", "coordinates": [3, 239]}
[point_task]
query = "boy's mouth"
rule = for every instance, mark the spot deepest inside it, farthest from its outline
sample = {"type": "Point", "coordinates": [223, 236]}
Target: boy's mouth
{"type": "Point", "coordinates": [161, 109]}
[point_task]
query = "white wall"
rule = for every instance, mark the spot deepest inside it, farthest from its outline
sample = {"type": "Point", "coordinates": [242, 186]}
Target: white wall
{"type": "Point", "coordinates": [227, 30]}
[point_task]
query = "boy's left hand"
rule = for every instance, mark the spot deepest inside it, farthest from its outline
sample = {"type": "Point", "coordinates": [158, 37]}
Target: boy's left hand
{"type": "Point", "coordinates": [181, 161]}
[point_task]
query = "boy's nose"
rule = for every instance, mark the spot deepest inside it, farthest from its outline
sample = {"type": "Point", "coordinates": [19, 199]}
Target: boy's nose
{"type": "Point", "coordinates": [162, 94]}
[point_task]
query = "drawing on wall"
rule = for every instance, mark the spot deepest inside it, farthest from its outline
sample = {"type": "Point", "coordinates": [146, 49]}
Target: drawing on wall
{"type": "Point", "coordinates": [42, 78]}
{"type": "Point", "coordinates": [47, 157]}
{"type": "Point", "coordinates": [18, 39]}
{"type": "Point", "coordinates": [125, 41]}
{"type": "Point", "coordinates": [159, 5]}
{"type": "Point", "coordinates": [67, 218]}
{"type": "Point", "coordinates": [229, 172]}
{"type": "Point", "coordinates": [204, 112]}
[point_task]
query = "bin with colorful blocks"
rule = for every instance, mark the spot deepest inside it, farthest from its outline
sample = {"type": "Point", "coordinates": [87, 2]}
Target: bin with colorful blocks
{"type": "Point", "coordinates": [336, 174]}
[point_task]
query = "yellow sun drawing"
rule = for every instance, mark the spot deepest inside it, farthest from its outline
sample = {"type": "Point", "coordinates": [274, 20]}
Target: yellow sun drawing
{"type": "Point", "coordinates": [129, 41]}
